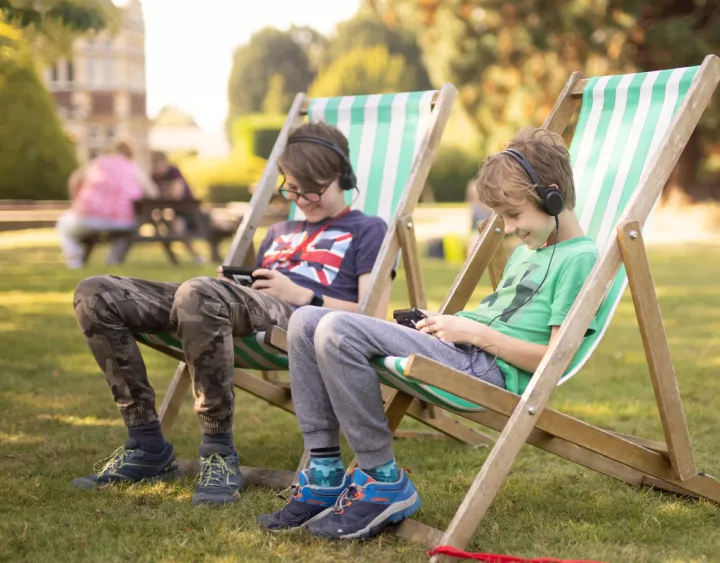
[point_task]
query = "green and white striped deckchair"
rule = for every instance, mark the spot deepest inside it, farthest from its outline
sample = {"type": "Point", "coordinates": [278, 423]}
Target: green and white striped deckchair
{"type": "Point", "coordinates": [392, 139]}
{"type": "Point", "coordinates": [622, 120]}
{"type": "Point", "coordinates": [630, 133]}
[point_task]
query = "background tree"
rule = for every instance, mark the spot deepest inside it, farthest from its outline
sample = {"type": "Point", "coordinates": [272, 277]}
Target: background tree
{"type": "Point", "coordinates": [313, 43]}
{"type": "Point", "coordinates": [173, 116]}
{"type": "Point", "coordinates": [52, 25]}
{"type": "Point", "coordinates": [36, 157]}
{"type": "Point", "coordinates": [269, 53]}
{"type": "Point", "coordinates": [510, 59]}
{"type": "Point", "coordinates": [277, 98]}
{"type": "Point", "coordinates": [365, 71]}
{"type": "Point", "coordinates": [365, 30]}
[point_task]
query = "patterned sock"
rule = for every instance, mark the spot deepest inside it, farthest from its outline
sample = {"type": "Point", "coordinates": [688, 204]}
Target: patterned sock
{"type": "Point", "coordinates": [149, 437]}
{"type": "Point", "coordinates": [326, 467]}
{"type": "Point", "coordinates": [385, 473]}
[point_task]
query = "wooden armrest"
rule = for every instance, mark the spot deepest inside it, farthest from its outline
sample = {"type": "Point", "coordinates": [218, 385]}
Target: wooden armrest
{"type": "Point", "coordinates": [276, 338]}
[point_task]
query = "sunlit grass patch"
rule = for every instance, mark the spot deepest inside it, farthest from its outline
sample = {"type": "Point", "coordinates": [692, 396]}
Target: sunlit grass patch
{"type": "Point", "coordinates": [57, 419]}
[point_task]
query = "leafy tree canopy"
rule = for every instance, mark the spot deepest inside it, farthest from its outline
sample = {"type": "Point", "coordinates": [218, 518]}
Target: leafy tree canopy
{"type": "Point", "coordinates": [365, 70]}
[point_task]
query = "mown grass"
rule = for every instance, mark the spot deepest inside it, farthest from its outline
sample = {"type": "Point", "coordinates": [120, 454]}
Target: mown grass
{"type": "Point", "coordinates": [57, 418]}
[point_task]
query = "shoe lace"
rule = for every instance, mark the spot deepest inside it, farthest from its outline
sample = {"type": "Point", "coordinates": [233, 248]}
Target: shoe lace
{"type": "Point", "coordinates": [113, 461]}
{"type": "Point", "coordinates": [282, 494]}
{"type": "Point", "coordinates": [346, 498]}
{"type": "Point", "coordinates": [214, 468]}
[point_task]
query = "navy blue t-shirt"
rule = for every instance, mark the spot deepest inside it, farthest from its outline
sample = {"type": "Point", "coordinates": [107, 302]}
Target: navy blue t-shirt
{"type": "Point", "coordinates": [327, 256]}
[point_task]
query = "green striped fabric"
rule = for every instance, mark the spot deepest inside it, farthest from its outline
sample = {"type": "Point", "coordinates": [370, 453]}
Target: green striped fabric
{"type": "Point", "coordinates": [391, 371]}
{"type": "Point", "coordinates": [385, 132]}
{"type": "Point", "coordinates": [621, 123]}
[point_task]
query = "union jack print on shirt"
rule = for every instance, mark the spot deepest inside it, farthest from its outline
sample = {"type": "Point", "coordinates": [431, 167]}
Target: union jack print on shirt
{"type": "Point", "coordinates": [320, 260]}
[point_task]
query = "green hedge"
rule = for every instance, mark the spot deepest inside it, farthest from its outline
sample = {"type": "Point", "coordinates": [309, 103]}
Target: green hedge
{"type": "Point", "coordinates": [225, 193]}
{"type": "Point", "coordinates": [255, 134]}
{"type": "Point", "coordinates": [450, 173]}
{"type": "Point", "coordinates": [220, 180]}
{"type": "Point", "coordinates": [36, 156]}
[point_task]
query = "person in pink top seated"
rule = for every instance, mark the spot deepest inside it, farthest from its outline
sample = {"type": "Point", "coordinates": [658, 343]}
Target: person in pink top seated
{"type": "Point", "coordinates": [102, 194]}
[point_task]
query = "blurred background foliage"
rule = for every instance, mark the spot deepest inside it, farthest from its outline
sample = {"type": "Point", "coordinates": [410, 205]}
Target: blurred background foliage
{"type": "Point", "coordinates": [509, 60]}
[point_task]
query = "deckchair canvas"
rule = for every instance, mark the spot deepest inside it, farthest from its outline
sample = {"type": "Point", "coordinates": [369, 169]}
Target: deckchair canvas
{"type": "Point", "coordinates": [392, 139]}
{"type": "Point", "coordinates": [630, 133]}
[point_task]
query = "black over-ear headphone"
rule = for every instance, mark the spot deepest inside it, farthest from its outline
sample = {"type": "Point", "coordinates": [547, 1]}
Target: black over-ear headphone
{"type": "Point", "coordinates": [552, 200]}
{"type": "Point", "coordinates": [347, 179]}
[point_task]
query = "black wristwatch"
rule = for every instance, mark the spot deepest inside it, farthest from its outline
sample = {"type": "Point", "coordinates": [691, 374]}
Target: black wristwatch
{"type": "Point", "coordinates": [317, 300]}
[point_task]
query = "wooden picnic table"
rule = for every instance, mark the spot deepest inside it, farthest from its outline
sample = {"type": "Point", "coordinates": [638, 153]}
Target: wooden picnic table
{"type": "Point", "coordinates": [154, 222]}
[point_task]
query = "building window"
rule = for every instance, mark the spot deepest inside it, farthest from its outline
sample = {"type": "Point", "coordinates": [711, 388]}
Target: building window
{"type": "Point", "coordinates": [109, 72]}
{"type": "Point", "coordinates": [110, 134]}
{"type": "Point", "coordinates": [54, 73]}
{"type": "Point", "coordinates": [70, 71]}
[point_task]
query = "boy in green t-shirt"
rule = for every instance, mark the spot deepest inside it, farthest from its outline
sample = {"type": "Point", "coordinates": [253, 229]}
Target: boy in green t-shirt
{"type": "Point", "coordinates": [502, 342]}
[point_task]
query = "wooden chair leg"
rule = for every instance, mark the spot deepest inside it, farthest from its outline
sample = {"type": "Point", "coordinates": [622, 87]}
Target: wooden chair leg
{"type": "Point", "coordinates": [657, 352]}
{"type": "Point", "coordinates": [178, 390]}
{"type": "Point", "coordinates": [302, 465]}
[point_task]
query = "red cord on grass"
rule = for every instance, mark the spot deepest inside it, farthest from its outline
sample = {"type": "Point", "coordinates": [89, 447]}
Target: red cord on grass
{"type": "Point", "coordinates": [497, 558]}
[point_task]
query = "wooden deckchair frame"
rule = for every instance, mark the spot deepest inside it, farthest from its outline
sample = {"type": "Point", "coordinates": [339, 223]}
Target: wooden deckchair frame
{"type": "Point", "coordinates": [666, 465]}
{"type": "Point", "coordinates": [401, 237]}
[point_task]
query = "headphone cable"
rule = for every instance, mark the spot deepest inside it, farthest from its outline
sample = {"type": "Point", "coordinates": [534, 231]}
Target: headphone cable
{"type": "Point", "coordinates": [475, 353]}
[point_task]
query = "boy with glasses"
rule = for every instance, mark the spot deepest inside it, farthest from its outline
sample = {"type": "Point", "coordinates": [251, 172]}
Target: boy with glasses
{"type": "Point", "coordinates": [323, 260]}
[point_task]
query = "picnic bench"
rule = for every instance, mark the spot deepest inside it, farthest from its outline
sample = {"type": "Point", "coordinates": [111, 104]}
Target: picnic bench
{"type": "Point", "coordinates": [155, 224]}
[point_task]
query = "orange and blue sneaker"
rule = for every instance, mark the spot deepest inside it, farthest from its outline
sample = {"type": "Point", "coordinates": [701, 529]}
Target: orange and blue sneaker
{"type": "Point", "coordinates": [308, 504]}
{"type": "Point", "coordinates": [367, 507]}
{"type": "Point", "coordinates": [130, 464]}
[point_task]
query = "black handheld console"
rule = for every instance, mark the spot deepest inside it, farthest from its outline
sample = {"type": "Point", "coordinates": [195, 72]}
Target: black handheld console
{"type": "Point", "coordinates": [408, 317]}
{"type": "Point", "coordinates": [240, 274]}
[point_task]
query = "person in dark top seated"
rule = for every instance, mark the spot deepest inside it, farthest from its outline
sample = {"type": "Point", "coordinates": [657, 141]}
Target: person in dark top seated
{"type": "Point", "coordinates": [172, 185]}
{"type": "Point", "coordinates": [322, 260]}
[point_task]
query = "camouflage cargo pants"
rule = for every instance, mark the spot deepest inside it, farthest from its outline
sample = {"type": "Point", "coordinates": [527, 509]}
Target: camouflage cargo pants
{"type": "Point", "coordinates": [205, 313]}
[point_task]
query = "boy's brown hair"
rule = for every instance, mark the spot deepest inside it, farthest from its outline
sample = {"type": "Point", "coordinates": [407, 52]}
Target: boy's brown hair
{"type": "Point", "coordinates": [502, 181]}
{"type": "Point", "coordinates": [312, 165]}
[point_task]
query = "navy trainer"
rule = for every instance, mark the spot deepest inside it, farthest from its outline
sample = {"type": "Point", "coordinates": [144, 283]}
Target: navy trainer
{"type": "Point", "coordinates": [307, 505]}
{"type": "Point", "coordinates": [220, 478]}
{"type": "Point", "coordinates": [367, 507]}
{"type": "Point", "coordinates": [131, 464]}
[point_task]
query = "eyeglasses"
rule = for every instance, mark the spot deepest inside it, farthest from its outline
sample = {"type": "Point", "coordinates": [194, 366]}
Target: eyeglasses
{"type": "Point", "coordinates": [294, 195]}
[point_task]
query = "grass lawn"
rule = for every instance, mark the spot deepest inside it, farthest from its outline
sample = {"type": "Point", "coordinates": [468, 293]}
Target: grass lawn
{"type": "Point", "coordinates": [57, 418]}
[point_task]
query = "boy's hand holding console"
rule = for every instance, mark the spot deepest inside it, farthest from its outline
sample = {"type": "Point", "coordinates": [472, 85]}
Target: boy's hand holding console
{"type": "Point", "coordinates": [270, 282]}
{"type": "Point", "coordinates": [448, 328]}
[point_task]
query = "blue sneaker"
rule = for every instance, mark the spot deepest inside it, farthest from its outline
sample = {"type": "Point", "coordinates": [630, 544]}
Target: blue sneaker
{"type": "Point", "coordinates": [220, 479]}
{"type": "Point", "coordinates": [367, 507]}
{"type": "Point", "coordinates": [307, 505]}
{"type": "Point", "coordinates": [131, 464]}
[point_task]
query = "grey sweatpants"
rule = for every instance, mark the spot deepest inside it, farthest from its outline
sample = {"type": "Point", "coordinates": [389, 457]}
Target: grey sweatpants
{"type": "Point", "coordinates": [333, 384]}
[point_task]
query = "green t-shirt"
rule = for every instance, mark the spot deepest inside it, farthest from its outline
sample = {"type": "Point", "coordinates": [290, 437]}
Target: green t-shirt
{"type": "Point", "coordinates": [533, 321]}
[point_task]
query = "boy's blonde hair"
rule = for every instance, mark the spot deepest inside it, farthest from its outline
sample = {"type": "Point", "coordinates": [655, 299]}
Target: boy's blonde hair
{"type": "Point", "coordinates": [502, 181]}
